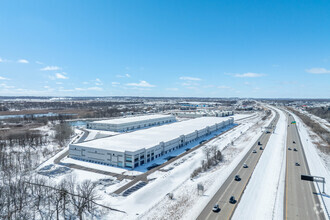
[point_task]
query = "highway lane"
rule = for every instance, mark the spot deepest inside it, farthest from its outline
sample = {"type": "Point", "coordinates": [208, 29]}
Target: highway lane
{"type": "Point", "coordinates": [300, 201]}
{"type": "Point", "coordinates": [235, 188]}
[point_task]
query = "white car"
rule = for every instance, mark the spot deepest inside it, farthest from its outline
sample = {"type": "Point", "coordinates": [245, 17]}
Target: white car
{"type": "Point", "coordinates": [216, 208]}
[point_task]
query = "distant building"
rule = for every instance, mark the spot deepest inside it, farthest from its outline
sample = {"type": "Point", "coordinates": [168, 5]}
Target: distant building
{"type": "Point", "coordinates": [205, 113]}
{"type": "Point", "coordinates": [136, 148]}
{"type": "Point", "coordinates": [131, 123]}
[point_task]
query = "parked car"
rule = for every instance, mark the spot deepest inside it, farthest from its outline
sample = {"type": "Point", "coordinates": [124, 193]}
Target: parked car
{"type": "Point", "coordinates": [295, 149]}
{"type": "Point", "coordinates": [232, 200]}
{"type": "Point", "coordinates": [216, 208]}
{"type": "Point", "coordinates": [297, 164]}
{"type": "Point", "coordinates": [237, 178]}
{"type": "Point", "coordinates": [245, 165]}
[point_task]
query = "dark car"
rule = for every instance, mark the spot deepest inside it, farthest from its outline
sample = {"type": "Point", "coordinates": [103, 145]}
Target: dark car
{"type": "Point", "coordinates": [237, 178]}
{"type": "Point", "coordinates": [293, 142]}
{"type": "Point", "coordinates": [216, 208]}
{"type": "Point", "coordinates": [232, 200]}
{"type": "Point", "coordinates": [261, 148]}
{"type": "Point", "coordinates": [295, 149]}
{"type": "Point", "coordinates": [245, 165]}
{"type": "Point", "coordinates": [289, 148]}
{"type": "Point", "coordinates": [297, 164]}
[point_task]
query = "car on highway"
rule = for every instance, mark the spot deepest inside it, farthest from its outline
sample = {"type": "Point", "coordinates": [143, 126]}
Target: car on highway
{"type": "Point", "coordinates": [216, 208]}
{"type": "Point", "coordinates": [245, 165]}
{"type": "Point", "coordinates": [297, 164]}
{"type": "Point", "coordinates": [289, 148]}
{"type": "Point", "coordinates": [295, 149]}
{"type": "Point", "coordinates": [254, 151]}
{"type": "Point", "coordinates": [293, 142]}
{"type": "Point", "coordinates": [261, 148]}
{"type": "Point", "coordinates": [232, 200]}
{"type": "Point", "coordinates": [237, 178]}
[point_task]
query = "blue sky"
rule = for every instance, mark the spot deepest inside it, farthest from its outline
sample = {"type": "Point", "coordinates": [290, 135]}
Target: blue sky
{"type": "Point", "coordinates": [271, 49]}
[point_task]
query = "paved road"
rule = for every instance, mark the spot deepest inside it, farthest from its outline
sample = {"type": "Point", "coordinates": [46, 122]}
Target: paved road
{"type": "Point", "coordinates": [300, 202]}
{"type": "Point", "coordinates": [235, 188]}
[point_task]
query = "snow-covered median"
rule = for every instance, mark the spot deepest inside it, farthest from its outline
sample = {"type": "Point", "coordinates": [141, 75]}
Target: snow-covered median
{"type": "Point", "coordinates": [266, 186]}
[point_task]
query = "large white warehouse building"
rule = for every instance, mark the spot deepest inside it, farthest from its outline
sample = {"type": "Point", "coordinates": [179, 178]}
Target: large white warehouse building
{"type": "Point", "coordinates": [139, 147]}
{"type": "Point", "coordinates": [131, 123]}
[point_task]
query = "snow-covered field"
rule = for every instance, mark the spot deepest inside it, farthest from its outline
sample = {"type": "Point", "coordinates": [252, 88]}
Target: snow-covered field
{"type": "Point", "coordinates": [266, 186]}
{"type": "Point", "coordinates": [323, 123]}
{"type": "Point", "coordinates": [242, 116]}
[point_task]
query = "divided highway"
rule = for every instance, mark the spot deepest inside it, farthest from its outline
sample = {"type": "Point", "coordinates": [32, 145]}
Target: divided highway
{"type": "Point", "coordinates": [235, 188]}
{"type": "Point", "coordinates": [300, 200]}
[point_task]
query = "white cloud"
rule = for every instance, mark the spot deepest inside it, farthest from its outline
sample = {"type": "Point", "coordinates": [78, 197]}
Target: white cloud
{"type": "Point", "coordinates": [249, 75]}
{"type": "Point", "coordinates": [3, 78]}
{"type": "Point", "coordinates": [223, 87]}
{"type": "Point", "coordinates": [115, 84]}
{"type": "Point", "coordinates": [189, 83]}
{"type": "Point", "coordinates": [38, 62]}
{"type": "Point", "coordinates": [61, 76]}
{"type": "Point", "coordinates": [89, 89]}
{"type": "Point", "coordinates": [123, 76]}
{"type": "Point", "coordinates": [3, 85]}
{"type": "Point", "coordinates": [98, 82]}
{"type": "Point", "coordinates": [50, 68]}
{"type": "Point", "coordinates": [172, 89]}
{"type": "Point", "coordinates": [142, 83]}
{"type": "Point", "coordinates": [190, 78]}
{"type": "Point", "coordinates": [4, 60]}
{"type": "Point", "coordinates": [22, 61]}
{"type": "Point", "coordinates": [95, 88]}
{"type": "Point", "coordinates": [318, 71]}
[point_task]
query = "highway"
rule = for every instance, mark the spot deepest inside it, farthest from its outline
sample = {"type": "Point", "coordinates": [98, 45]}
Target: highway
{"type": "Point", "coordinates": [236, 188]}
{"type": "Point", "coordinates": [300, 202]}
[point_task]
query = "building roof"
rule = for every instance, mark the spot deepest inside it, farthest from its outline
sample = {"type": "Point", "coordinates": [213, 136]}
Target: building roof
{"type": "Point", "coordinates": [151, 137]}
{"type": "Point", "coordinates": [131, 119]}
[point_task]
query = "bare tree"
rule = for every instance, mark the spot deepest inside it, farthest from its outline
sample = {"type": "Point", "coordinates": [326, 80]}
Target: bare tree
{"type": "Point", "coordinates": [63, 132]}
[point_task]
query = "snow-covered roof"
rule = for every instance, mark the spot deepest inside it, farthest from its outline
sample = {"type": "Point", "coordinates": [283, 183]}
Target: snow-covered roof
{"type": "Point", "coordinates": [151, 137]}
{"type": "Point", "coordinates": [132, 119]}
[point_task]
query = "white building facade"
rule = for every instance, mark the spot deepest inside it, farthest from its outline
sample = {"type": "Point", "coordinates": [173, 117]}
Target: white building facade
{"type": "Point", "coordinates": [136, 148]}
{"type": "Point", "coordinates": [131, 123]}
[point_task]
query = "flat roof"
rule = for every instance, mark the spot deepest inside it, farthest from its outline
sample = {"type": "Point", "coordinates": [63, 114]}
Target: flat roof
{"type": "Point", "coordinates": [151, 137]}
{"type": "Point", "coordinates": [131, 119]}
